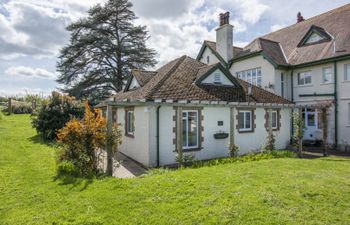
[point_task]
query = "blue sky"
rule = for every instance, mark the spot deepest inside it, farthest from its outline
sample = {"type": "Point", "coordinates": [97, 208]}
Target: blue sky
{"type": "Point", "coordinates": [33, 31]}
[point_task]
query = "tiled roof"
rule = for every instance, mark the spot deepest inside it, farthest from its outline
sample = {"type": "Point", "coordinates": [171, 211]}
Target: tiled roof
{"type": "Point", "coordinates": [143, 76]}
{"type": "Point", "coordinates": [212, 45]}
{"type": "Point", "coordinates": [334, 22]}
{"type": "Point", "coordinates": [176, 81]}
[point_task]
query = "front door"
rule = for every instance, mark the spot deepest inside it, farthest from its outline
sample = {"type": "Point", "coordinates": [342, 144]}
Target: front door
{"type": "Point", "coordinates": [312, 131]}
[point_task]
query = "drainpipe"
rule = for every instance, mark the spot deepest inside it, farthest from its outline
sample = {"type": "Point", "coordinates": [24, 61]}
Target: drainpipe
{"type": "Point", "coordinates": [158, 163]}
{"type": "Point", "coordinates": [335, 106]}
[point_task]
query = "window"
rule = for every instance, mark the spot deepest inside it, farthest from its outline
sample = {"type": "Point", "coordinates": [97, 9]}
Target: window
{"type": "Point", "coordinates": [314, 37]}
{"type": "Point", "coordinates": [274, 120]}
{"type": "Point", "coordinates": [252, 76]}
{"type": "Point", "coordinates": [347, 72]}
{"type": "Point", "coordinates": [217, 78]}
{"type": "Point", "coordinates": [129, 122]}
{"type": "Point", "coordinates": [327, 75]}
{"type": "Point", "coordinates": [245, 121]}
{"type": "Point", "coordinates": [190, 129]}
{"type": "Point", "coordinates": [208, 59]}
{"type": "Point", "coordinates": [304, 78]}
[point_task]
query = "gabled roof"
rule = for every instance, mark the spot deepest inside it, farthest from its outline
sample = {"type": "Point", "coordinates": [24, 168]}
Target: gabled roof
{"type": "Point", "coordinates": [334, 23]}
{"type": "Point", "coordinates": [141, 76]}
{"type": "Point", "coordinates": [212, 46]}
{"type": "Point", "coordinates": [177, 81]}
{"type": "Point", "coordinates": [315, 30]}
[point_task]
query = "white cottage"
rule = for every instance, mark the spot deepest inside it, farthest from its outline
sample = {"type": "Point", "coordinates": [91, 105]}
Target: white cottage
{"type": "Point", "coordinates": [186, 104]}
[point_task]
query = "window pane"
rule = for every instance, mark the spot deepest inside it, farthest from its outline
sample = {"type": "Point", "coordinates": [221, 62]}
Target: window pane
{"type": "Point", "coordinates": [327, 75]}
{"type": "Point", "coordinates": [347, 72]}
{"type": "Point", "coordinates": [247, 120]}
{"type": "Point", "coordinates": [243, 76]}
{"type": "Point", "coordinates": [249, 76]}
{"type": "Point", "coordinates": [311, 120]}
{"type": "Point", "coordinates": [241, 120]}
{"type": "Point", "coordinates": [192, 129]}
{"type": "Point", "coordinates": [274, 119]}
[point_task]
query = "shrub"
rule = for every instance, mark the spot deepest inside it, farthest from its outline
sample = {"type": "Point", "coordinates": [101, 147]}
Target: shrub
{"type": "Point", "coordinates": [54, 114]}
{"type": "Point", "coordinates": [233, 150]}
{"type": "Point", "coordinates": [67, 168]}
{"type": "Point", "coordinates": [185, 160]}
{"type": "Point", "coordinates": [270, 143]}
{"type": "Point", "coordinates": [19, 108]}
{"type": "Point", "coordinates": [246, 158]}
{"type": "Point", "coordinates": [81, 138]}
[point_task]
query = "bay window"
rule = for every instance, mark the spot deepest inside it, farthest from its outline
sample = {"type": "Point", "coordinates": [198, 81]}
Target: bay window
{"type": "Point", "coordinates": [190, 129]}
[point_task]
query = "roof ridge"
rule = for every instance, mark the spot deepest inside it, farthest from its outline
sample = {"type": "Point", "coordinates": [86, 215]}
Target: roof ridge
{"type": "Point", "coordinates": [265, 39]}
{"type": "Point", "coordinates": [166, 76]}
{"type": "Point", "coordinates": [311, 18]}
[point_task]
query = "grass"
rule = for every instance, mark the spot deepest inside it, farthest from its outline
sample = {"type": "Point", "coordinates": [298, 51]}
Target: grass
{"type": "Point", "coordinates": [277, 191]}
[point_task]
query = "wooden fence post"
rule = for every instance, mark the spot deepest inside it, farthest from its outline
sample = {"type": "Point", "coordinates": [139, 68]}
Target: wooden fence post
{"type": "Point", "coordinates": [9, 107]}
{"type": "Point", "coordinates": [109, 169]}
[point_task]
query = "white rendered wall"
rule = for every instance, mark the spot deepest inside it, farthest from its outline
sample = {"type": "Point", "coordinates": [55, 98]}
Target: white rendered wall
{"type": "Point", "coordinates": [212, 58]}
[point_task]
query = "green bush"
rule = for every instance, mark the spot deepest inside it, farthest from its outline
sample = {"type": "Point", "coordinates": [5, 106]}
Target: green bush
{"type": "Point", "coordinates": [246, 158]}
{"type": "Point", "coordinates": [54, 114]}
{"type": "Point", "coordinates": [67, 168]}
{"type": "Point", "coordinates": [19, 109]}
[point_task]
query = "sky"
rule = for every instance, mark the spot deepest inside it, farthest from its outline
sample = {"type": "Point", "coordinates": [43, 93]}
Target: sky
{"type": "Point", "coordinates": [33, 31]}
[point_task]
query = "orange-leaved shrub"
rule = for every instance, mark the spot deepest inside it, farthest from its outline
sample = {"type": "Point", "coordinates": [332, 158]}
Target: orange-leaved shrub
{"type": "Point", "coordinates": [81, 139]}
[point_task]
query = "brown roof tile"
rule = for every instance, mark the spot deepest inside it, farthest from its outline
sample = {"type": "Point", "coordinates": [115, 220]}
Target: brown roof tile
{"type": "Point", "coordinates": [176, 81]}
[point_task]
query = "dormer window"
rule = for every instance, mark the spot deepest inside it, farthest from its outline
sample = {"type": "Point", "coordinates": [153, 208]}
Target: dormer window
{"type": "Point", "coordinates": [314, 38]}
{"type": "Point", "coordinates": [217, 78]}
{"type": "Point", "coordinates": [315, 35]}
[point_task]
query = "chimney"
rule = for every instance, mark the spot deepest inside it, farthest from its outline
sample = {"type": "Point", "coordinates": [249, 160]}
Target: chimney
{"type": "Point", "coordinates": [224, 37]}
{"type": "Point", "coordinates": [300, 18]}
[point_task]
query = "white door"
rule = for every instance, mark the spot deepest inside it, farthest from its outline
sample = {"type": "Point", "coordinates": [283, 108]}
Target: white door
{"type": "Point", "coordinates": [311, 122]}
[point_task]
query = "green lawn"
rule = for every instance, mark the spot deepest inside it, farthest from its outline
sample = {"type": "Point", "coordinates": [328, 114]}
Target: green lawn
{"type": "Point", "coordinates": [280, 191]}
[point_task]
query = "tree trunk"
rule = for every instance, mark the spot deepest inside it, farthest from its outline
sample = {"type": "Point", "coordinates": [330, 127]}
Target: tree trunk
{"type": "Point", "coordinates": [109, 170]}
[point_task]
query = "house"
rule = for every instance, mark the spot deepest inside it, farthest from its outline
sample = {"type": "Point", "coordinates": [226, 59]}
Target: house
{"type": "Point", "coordinates": [185, 103]}
{"type": "Point", "coordinates": [308, 63]}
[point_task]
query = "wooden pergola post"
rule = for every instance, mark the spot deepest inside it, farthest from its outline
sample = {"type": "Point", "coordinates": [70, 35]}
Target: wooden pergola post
{"type": "Point", "coordinates": [179, 136]}
{"type": "Point", "coordinates": [325, 130]}
{"type": "Point", "coordinates": [109, 150]}
{"type": "Point", "coordinates": [9, 106]}
{"type": "Point", "coordinates": [300, 137]}
{"type": "Point", "coordinates": [232, 127]}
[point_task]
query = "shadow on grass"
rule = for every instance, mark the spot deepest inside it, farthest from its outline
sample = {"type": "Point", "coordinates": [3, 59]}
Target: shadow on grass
{"type": "Point", "coordinates": [38, 139]}
{"type": "Point", "coordinates": [73, 181]}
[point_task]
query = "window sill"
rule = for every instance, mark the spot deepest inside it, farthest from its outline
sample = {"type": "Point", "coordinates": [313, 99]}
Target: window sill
{"type": "Point", "coordinates": [130, 135]}
{"type": "Point", "coordinates": [191, 149]}
{"type": "Point", "coordinates": [306, 85]}
{"type": "Point", "coordinates": [327, 83]}
{"type": "Point", "coordinates": [245, 131]}
{"type": "Point", "coordinates": [346, 81]}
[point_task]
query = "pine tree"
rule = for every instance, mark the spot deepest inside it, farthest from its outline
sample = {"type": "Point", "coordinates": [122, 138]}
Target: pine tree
{"type": "Point", "coordinates": [104, 47]}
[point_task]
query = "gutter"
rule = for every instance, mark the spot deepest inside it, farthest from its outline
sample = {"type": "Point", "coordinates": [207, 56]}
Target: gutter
{"type": "Point", "coordinates": [335, 106]}
{"type": "Point", "coordinates": [157, 136]}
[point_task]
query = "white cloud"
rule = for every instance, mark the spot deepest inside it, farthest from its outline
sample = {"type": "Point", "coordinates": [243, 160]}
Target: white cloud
{"type": "Point", "coordinates": [277, 27]}
{"type": "Point", "coordinates": [28, 72]}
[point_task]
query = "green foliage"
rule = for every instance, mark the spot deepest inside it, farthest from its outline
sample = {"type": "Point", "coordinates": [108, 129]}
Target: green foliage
{"type": "Point", "coordinates": [233, 150]}
{"type": "Point", "coordinates": [104, 47]}
{"type": "Point", "coordinates": [157, 171]}
{"type": "Point", "coordinates": [283, 191]}
{"type": "Point", "coordinates": [270, 143]}
{"type": "Point", "coordinates": [299, 128]}
{"type": "Point", "coordinates": [187, 159]}
{"type": "Point", "coordinates": [67, 168]}
{"type": "Point", "coordinates": [246, 158]}
{"type": "Point", "coordinates": [54, 114]}
{"type": "Point", "coordinates": [82, 138]}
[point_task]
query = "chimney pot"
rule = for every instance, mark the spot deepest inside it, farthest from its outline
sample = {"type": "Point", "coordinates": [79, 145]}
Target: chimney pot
{"type": "Point", "coordinates": [300, 18]}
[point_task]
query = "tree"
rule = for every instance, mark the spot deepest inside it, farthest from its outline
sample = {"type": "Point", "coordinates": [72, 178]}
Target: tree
{"type": "Point", "coordinates": [299, 129]}
{"type": "Point", "coordinates": [104, 47]}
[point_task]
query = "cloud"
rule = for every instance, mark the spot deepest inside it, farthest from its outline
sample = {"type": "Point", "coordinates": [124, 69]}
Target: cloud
{"type": "Point", "coordinates": [29, 72]}
{"type": "Point", "coordinates": [277, 27]}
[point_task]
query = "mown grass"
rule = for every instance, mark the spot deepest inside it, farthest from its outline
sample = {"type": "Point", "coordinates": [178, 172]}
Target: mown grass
{"type": "Point", "coordinates": [276, 191]}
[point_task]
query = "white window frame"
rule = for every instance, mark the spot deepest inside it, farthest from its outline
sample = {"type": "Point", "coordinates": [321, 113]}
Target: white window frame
{"type": "Point", "coordinates": [324, 75]}
{"type": "Point", "coordinates": [348, 114]}
{"type": "Point", "coordinates": [276, 120]}
{"type": "Point", "coordinates": [129, 123]}
{"type": "Point", "coordinates": [208, 59]}
{"type": "Point", "coordinates": [245, 112]}
{"type": "Point", "coordinates": [257, 78]}
{"type": "Point", "coordinates": [217, 78]}
{"type": "Point", "coordinates": [305, 74]}
{"type": "Point", "coordinates": [187, 132]}
{"type": "Point", "coordinates": [346, 70]}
